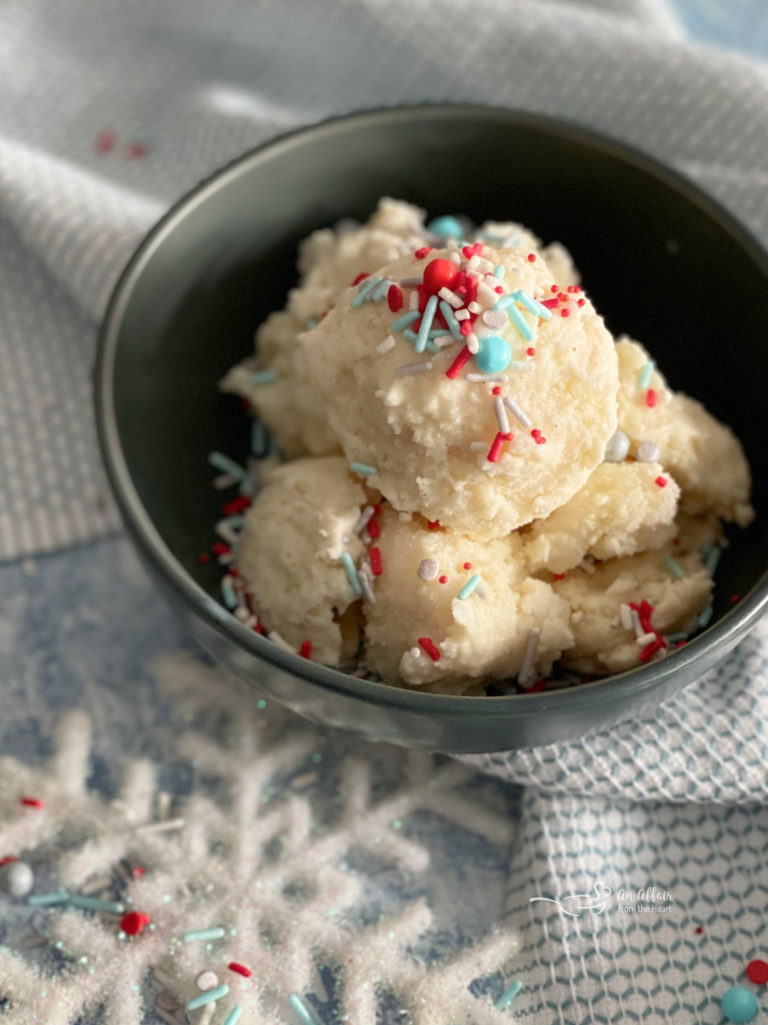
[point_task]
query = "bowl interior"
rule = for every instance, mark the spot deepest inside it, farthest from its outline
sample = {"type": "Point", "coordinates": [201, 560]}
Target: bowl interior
{"type": "Point", "coordinates": [659, 261]}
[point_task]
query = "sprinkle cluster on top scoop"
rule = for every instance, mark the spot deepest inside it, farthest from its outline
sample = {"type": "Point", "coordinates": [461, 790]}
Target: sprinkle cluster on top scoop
{"type": "Point", "coordinates": [462, 300]}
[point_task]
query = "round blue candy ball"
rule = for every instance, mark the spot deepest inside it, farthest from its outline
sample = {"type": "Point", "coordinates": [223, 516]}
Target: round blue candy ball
{"type": "Point", "coordinates": [739, 1004]}
{"type": "Point", "coordinates": [446, 226]}
{"type": "Point", "coordinates": [493, 356]}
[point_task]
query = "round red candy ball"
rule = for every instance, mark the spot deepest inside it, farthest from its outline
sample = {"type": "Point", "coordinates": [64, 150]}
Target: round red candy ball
{"type": "Point", "coordinates": [757, 972]}
{"type": "Point", "coordinates": [440, 274]}
{"type": "Point", "coordinates": [134, 922]}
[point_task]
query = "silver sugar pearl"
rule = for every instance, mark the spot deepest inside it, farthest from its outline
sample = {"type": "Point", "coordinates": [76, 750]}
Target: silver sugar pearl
{"type": "Point", "coordinates": [648, 452]}
{"type": "Point", "coordinates": [428, 569]}
{"type": "Point", "coordinates": [17, 878]}
{"type": "Point", "coordinates": [617, 448]}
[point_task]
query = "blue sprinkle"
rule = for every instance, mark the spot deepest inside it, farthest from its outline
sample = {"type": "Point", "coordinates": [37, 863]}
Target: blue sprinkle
{"type": "Point", "coordinates": [674, 567]}
{"type": "Point", "coordinates": [363, 469]}
{"type": "Point", "coordinates": [505, 301]}
{"type": "Point", "coordinates": [411, 336]}
{"type": "Point", "coordinates": [246, 485]}
{"type": "Point", "coordinates": [680, 636]}
{"type": "Point", "coordinates": [471, 585]}
{"type": "Point", "coordinates": [352, 574]}
{"type": "Point", "coordinates": [520, 323]}
{"type": "Point", "coordinates": [645, 374]}
{"type": "Point", "coordinates": [235, 522]}
{"type": "Point", "coordinates": [264, 376]}
{"type": "Point", "coordinates": [532, 305]}
{"type": "Point", "coordinates": [713, 558]}
{"type": "Point", "coordinates": [208, 997]}
{"type": "Point", "coordinates": [365, 289]}
{"type": "Point", "coordinates": [204, 934]}
{"type": "Point", "coordinates": [380, 290]}
{"type": "Point", "coordinates": [438, 332]}
{"type": "Point", "coordinates": [300, 1008]}
{"type": "Point", "coordinates": [234, 1015]}
{"type": "Point", "coordinates": [309, 323]}
{"type": "Point", "coordinates": [705, 616]}
{"type": "Point", "coordinates": [499, 271]}
{"type": "Point", "coordinates": [445, 226]}
{"type": "Point", "coordinates": [94, 904]}
{"type": "Point", "coordinates": [509, 995]}
{"type": "Point", "coordinates": [258, 438]}
{"type": "Point", "coordinates": [226, 465]}
{"type": "Point", "coordinates": [228, 593]}
{"type": "Point", "coordinates": [450, 318]}
{"type": "Point", "coordinates": [426, 323]}
{"type": "Point", "coordinates": [405, 320]}
{"type": "Point", "coordinates": [44, 900]}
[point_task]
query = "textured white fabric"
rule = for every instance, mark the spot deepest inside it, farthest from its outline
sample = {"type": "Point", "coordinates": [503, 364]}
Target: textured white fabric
{"type": "Point", "coordinates": [193, 84]}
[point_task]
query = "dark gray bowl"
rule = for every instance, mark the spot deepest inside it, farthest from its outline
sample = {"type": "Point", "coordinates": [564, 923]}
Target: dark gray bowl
{"type": "Point", "coordinates": [662, 261]}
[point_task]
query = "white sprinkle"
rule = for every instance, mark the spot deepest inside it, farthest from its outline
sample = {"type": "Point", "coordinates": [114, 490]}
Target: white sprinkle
{"type": "Point", "coordinates": [226, 533]}
{"type": "Point", "coordinates": [455, 257]}
{"type": "Point", "coordinates": [517, 413]}
{"type": "Point", "coordinates": [488, 378]}
{"type": "Point", "coordinates": [415, 652]}
{"type": "Point", "coordinates": [481, 592]}
{"type": "Point", "coordinates": [223, 481]}
{"type": "Point", "coordinates": [473, 343]}
{"type": "Point", "coordinates": [474, 307]}
{"type": "Point", "coordinates": [365, 573]}
{"type": "Point", "coordinates": [242, 613]}
{"type": "Point", "coordinates": [526, 674]}
{"type": "Point", "coordinates": [450, 297]}
{"type": "Point", "coordinates": [577, 616]}
{"type": "Point", "coordinates": [445, 342]}
{"type": "Point", "coordinates": [636, 626]}
{"type": "Point", "coordinates": [365, 537]}
{"type": "Point", "coordinates": [625, 615]}
{"type": "Point", "coordinates": [462, 314]}
{"type": "Point", "coordinates": [494, 319]}
{"type": "Point", "coordinates": [161, 827]}
{"type": "Point", "coordinates": [528, 365]}
{"type": "Point", "coordinates": [413, 368]}
{"type": "Point", "coordinates": [226, 559]}
{"type": "Point", "coordinates": [413, 301]}
{"type": "Point", "coordinates": [363, 518]}
{"type": "Point", "coordinates": [410, 282]}
{"type": "Point", "coordinates": [501, 415]}
{"type": "Point", "coordinates": [645, 639]}
{"type": "Point", "coordinates": [428, 569]}
{"type": "Point", "coordinates": [486, 294]}
{"type": "Point", "coordinates": [478, 446]}
{"type": "Point", "coordinates": [163, 805]}
{"type": "Point", "coordinates": [386, 345]}
{"type": "Point", "coordinates": [280, 642]}
{"type": "Point", "coordinates": [102, 883]}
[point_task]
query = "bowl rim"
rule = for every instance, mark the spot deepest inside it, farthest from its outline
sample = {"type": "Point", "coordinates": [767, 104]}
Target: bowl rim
{"type": "Point", "coordinates": [703, 648]}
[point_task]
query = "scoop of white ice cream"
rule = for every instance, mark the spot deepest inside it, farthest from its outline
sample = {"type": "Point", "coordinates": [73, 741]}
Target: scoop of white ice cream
{"type": "Point", "coordinates": [703, 455]}
{"type": "Point", "coordinates": [622, 509]}
{"type": "Point", "coordinates": [483, 636]}
{"type": "Point", "coordinates": [290, 553]}
{"type": "Point", "coordinates": [430, 435]}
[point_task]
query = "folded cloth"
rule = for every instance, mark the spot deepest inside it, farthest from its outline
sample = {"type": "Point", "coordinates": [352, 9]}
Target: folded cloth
{"type": "Point", "coordinates": [112, 111]}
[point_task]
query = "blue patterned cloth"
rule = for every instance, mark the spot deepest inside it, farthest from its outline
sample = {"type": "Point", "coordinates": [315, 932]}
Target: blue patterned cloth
{"type": "Point", "coordinates": [636, 837]}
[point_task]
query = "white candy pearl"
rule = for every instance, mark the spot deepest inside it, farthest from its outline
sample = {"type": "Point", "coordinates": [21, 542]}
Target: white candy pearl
{"type": "Point", "coordinates": [428, 569]}
{"type": "Point", "coordinates": [17, 878]}
{"type": "Point", "coordinates": [617, 448]}
{"type": "Point", "coordinates": [647, 452]}
{"type": "Point", "coordinates": [207, 980]}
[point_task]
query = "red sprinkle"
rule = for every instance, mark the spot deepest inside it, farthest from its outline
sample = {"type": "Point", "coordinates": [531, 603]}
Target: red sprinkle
{"type": "Point", "coordinates": [496, 390]}
{"type": "Point", "coordinates": [104, 142]}
{"type": "Point", "coordinates": [8, 859]}
{"type": "Point", "coordinates": [549, 303]}
{"type": "Point", "coordinates": [463, 357]}
{"type": "Point", "coordinates": [498, 289]}
{"type": "Point", "coordinates": [375, 555]}
{"type": "Point", "coordinates": [661, 481]}
{"type": "Point", "coordinates": [558, 576]}
{"type": "Point", "coordinates": [237, 505]}
{"type": "Point", "coordinates": [31, 802]}
{"type": "Point", "coordinates": [219, 548]}
{"type": "Point", "coordinates": [555, 288]}
{"type": "Point", "coordinates": [757, 972]}
{"type": "Point", "coordinates": [537, 687]}
{"type": "Point", "coordinates": [421, 253]}
{"type": "Point", "coordinates": [475, 250]}
{"type": "Point", "coordinates": [373, 528]}
{"type": "Point", "coordinates": [234, 966]}
{"type": "Point", "coordinates": [443, 580]}
{"type": "Point", "coordinates": [465, 328]}
{"type": "Point", "coordinates": [581, 302]}
{"type": "Point", "coordinates": [651, 649]}
{"type": "Point", "coordinates": [136, 151]}
{"type": "Point", "coordinates": [134, 922]}
{"type": "Point", "coordinates": [306, 649]}
{"type": "Point", "coordinates": [562, 299]}
{"type": "Point", "coordinates": [735, 598]}
{"type": "Point", "coordinates": [574, 288]}
{"type": "Point", "coordinates": [430, 648]}
{"type": "Point", "coordinates": [497, 445]}
{"type": "Point", "coordinates": [531, 257]}
{"type": "Point", "coordinates": [565, 313]}
{"type": "Point", "coordinates": [360, 277]}
{"type": "Point", "coordinates": [433, 524]}
{"type": "Point", "coordinates": [467, 565]}
{"type": "Point", "coordinates": [137, 871]}
{"type": "Point", "coordinates": [650, 398]}
{"type": "Point", "coordinates": [530, 352]}
{"type": "Point", "coordinates": [699, 929]}
{"type": "Point", "coordinates": [395, 298]}
{"type": "Point", "coordinates": [203, 558]}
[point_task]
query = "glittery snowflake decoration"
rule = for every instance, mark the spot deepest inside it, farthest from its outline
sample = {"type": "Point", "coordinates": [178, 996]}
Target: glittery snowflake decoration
{"type": "Point", "coordinates": [240, 897]}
